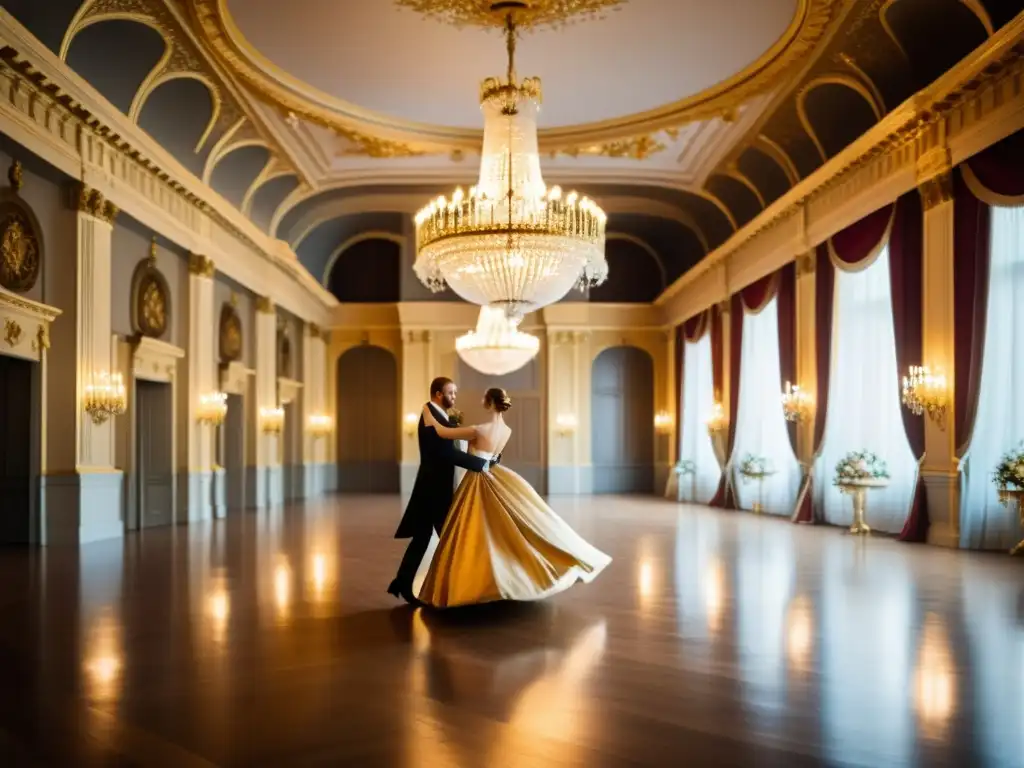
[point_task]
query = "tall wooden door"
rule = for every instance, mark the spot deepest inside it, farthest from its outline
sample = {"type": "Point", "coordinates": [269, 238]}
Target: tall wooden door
{"type": "Point", "coordinates": [367, 421]}
{"type": "Point", "coordinates": [154, 458]}
{"type": "Point", "coordinates": [19, 451]}
{"type": "Point", "coordinates": [622, 421]}
{"type": "Point", "coordinates": [233, 431]}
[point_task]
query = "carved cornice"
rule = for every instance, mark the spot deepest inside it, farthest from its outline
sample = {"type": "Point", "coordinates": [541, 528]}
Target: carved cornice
{"type": "Point", "coordinates": [381, 136]}
{"type": "Point", "coordinates": [315, 332]}
{"type": "Point", "coordinates": [92, 202]}
{"type": "Point", "coordinates": [944, 115]}
{"type": "Point", "coordinates": [201, 266]}
{"type": "Point", "coordinates": [936, 190]}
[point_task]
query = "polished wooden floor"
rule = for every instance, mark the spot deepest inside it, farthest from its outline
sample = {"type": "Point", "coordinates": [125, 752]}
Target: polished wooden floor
{"type": "Point", "coordinates": [713, 639]}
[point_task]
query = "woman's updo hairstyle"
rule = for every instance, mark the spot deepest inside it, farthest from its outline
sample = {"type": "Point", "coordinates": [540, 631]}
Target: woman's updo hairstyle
{"type": "Point", "coordinates": [498, 399]}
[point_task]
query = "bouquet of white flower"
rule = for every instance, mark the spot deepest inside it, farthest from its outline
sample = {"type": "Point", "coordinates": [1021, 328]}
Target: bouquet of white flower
{"type": "Point", "coordinates": [1009, 474]}
{"type": "Point", "coordinates": [858, 466]}
{"type": "Point", "coordinates": [754, 467]}
{"type": "Point", "coordinates": [685, 467]}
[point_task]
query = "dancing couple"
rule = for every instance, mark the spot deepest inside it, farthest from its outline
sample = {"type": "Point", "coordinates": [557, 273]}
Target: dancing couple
{"type": "Point", "coordinates": [498, 540]}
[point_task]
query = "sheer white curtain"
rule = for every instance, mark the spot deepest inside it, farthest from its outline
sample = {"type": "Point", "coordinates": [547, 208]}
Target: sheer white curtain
{"type": "Point", "coordinates": [760, 423]}
{"type": "Point", "coordinates": [999, 425]}
{"type": "Point", "coordinates": [864, 399]}
{"type": "Point", "coordinates": [694, 442]}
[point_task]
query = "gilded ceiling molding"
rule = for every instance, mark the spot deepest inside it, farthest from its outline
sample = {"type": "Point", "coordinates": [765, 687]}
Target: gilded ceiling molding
{"type": "Point", "coordinates": [382, 136]}
{"type": "Point", "coordinates": [400, 240]}
{"type": "Point", "coordinates": [636, 148]}
{"type": "Point", "coordinates": [843, 80]}
{"type": "Point", "coordinates": [848, 61]}
{"type": "Point", "coordinates": [774, 150]}
{"type": "Point", "coordinates": [734, 173]}
{"type": "Point", "coordinates": [643, 245]}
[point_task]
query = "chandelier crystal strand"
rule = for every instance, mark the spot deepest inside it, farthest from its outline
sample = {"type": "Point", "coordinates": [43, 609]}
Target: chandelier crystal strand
{"type": "Point", "coordinates": [511, 242]}
{"type": "Point", "coordinates": [497, 346]}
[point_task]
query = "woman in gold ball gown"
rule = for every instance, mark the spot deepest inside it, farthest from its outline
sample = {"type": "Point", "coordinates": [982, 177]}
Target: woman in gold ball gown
{"type": "Point", "coordinates": [501, 541]}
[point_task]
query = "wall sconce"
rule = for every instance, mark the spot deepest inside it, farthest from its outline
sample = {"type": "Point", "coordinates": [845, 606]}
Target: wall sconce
{"type": "Point", "coordinates": [565, 424]}
{"type": "Point", "coordinates": [320, 425]}
{"type": "Point", "coordinates": [272, 420]}
{"type": "Point", "coordinates": [212, 409]}
{"type": "Point", "coordinates": [412, 423]}
{"type": "Point", "coordinates": [717, 422]}
{"type": "Point", "coordinates": [926, 392]}
{"type": "Point", "coordinates": [105, 397]}
{"type": "Point", "coordinates": [796, 404]}
{"type": "Point", "coordinates": [663, 422]}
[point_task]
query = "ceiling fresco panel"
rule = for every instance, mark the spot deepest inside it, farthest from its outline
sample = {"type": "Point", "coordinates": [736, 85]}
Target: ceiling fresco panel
{"type": "Point", "coordinates": [268, 197]}
{"type": "Point", "coordinates": [115, 57]}
{"type": "Point", "coordinates": [934, 34]}
{"type": "Point", "coordinates": [737, 195]}
{"type": "Point", "coordinates": [177, 114]}
{"type": "Point", "coordinates": [836, 115]}
{"type": "Point", "coordinates": [46, 19]}
{"type": "Point", "coordinates": [765, 173]}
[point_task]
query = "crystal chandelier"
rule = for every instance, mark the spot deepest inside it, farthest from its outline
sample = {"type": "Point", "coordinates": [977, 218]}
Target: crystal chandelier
{"type": "Point", "coordinates": [497, 346]}
{"type": "Point", "coordinates": [511, 242]}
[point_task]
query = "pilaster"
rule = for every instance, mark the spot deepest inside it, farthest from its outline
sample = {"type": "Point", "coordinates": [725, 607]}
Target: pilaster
{"type": "Point", "coordinates": [939, 468]}
{"type": "Point", "coordinates": [806, 360]}
{"type": "Point", "coordinates": [266, 455]}
{"type": "Point", "coordinates": [568, 381]}
{"type": "Point", "coordinates": [315, 456]}
{"type": "Point", "coordinates": [82, 502]}
{"type": "Point", "coordinates": [197, 456]}
{"type": "Point", "coordinates": [417, 364]}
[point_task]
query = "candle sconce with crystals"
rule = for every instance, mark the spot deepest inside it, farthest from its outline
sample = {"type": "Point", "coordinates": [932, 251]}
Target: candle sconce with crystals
{"type": "Point", "coordinates": [663, 422]}
{"type": "Point", "coordinates": [565, 424]}
{"type": "Point", "coordinates": [213, 408]}
{"type": "Point", "coordinates": [717, 422]}
{"type": "Point", "coordinates": [105, 397]}
{"type": "Point", "coordinates": [320, 425]}
{"type": "Point", "coordinates": [412, 422]}
{"type": "Point", "coordinates": [796, 404]}
{"type": "Point", "coordinates": [272, 420]}
{"type": "Point", "coordinates": [926, 392]}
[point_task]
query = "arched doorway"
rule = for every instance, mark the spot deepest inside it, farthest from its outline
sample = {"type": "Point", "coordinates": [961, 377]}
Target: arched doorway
{"type": "Point", "coordinates": [367, 419]}
{"type": "Point", "coordinates": [622, 421]}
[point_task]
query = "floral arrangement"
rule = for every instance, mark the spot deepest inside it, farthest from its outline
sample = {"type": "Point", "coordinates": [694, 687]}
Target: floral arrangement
{"type": "Point", "coordinates": [754, 467]}
{"type": "Point", "coordinates": [685, 467]}
{"type": "Point", "coordinates": [1009, 474]}
{"type": "Point", "coordinates": [859, 466]}
{"type": "Point", "coordinates": [454, 417]}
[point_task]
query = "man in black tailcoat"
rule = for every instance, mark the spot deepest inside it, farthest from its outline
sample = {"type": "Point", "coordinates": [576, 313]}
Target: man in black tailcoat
{"type": "Point", "coordinates": [434, 487]}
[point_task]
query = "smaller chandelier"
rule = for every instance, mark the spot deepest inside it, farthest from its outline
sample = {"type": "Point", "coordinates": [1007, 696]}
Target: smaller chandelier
{"type": "Point", "coordinates": [796, 404]}
{"type": "Point", "coordinates": [925, 392]}
{"type": "Point", "coordinates": [213, 408]}
{"type": "Point", "coordinates": [497, 346]}
{"type": "Point", "coordinates": [105, 397]}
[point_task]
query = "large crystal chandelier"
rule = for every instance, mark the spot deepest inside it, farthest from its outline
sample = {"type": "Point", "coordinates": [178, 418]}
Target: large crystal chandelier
{"type": "Point", "coordinates": [511, 242]}
{"type": "Point", "coordinates": [497, 346]}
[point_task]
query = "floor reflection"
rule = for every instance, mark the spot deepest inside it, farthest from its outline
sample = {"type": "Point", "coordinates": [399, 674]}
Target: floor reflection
{"type": "Point", "coordinates": [721, 637]}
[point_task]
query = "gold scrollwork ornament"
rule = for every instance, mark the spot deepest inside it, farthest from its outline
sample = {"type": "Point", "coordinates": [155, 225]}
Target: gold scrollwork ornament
{"type": "Point", "coordinates": [12, 332]}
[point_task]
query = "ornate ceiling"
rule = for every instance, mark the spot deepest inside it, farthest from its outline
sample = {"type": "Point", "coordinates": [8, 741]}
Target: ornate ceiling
{"type": "Point", "coordinates": [325, 120]}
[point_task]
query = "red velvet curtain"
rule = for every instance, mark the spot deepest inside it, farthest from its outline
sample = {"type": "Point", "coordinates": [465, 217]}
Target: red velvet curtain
{"type": "Point", "coordinates": [725, 496]}
{"type": "Point", "coordinates": [972, 231]}
{"type": "Point", "coordinates": [906, 258]}
{"type": "Point", "coordinates": [1000, 168]}
{"type": "Point", "coordinates": [786, 293]}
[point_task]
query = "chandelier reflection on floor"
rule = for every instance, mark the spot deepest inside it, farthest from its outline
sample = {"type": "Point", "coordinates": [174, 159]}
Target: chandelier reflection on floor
{"type": "Point", "coordinates": [511, 242]}
{"type": "Point", "coordinates": [497, 346]}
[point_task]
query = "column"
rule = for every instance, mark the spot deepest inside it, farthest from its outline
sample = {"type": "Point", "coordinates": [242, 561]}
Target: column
{"type": "Point", "coordinates": [806, 355]}
{"type": "Point", "coordinates": [665, 402]}
{"type": "Point", "coordinates": [314, 404]}
{"type": "Point", "coordinates": [81, 494]}
{"type": "Point", "coordinates": [417, 364]}
{"type": "Point", "coordinates": [568, 399]}
{"type": "Point", "coordinates": [939, 468]}
{"type": "Point", "coordinates": [196, 453]}
{"type": "Point", "coordinates": [266, 454]}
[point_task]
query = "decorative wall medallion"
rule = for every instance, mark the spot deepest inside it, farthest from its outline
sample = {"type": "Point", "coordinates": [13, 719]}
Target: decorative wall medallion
{"type": "Point", "coordinates": [12, 332]}
{"type": "Point", "coordinates": [20, 249]}
{"type": "Point", "coordinates": [151, 298]}
{"type": "Point", "coordinates": [230, 334]}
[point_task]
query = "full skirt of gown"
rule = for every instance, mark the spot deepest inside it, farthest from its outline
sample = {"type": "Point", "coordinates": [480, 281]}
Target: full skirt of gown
{"type": "Point", "coordinates": [501, 541]}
